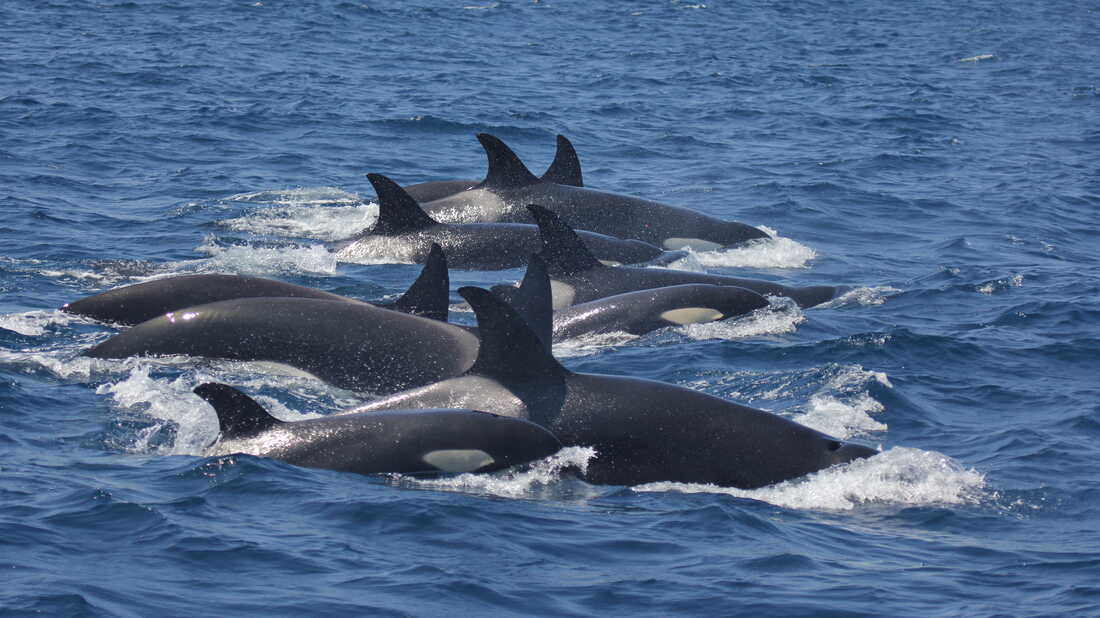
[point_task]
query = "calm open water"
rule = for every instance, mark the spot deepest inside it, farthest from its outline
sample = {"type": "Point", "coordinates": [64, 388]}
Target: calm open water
{"type": "Point", "coordinates": [940, 157]}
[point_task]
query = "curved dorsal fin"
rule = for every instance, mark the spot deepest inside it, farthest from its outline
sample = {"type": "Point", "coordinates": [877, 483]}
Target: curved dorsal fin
{"type": "Point", "coordinates": [429, 296]}
{"type": "Point", "coordinates": [563, 250]}
{"type": "Point", "coordinates": [238, 414]}
{"type": "Point", "coordinates": [566, 167]}
{"type": "Point", "coordinates": [509, 346]}
{"type": "Point", "coordinates": [532, 299]}
{"type": "Point", "coordinates": [398, 212]}
{"type": "Point", "coordinates": [506, 171]}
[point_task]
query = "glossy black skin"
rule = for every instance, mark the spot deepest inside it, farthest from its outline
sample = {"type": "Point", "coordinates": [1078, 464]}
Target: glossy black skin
{"type": "Point", "coordinates": [354, 346]}
{"type": "Point", "coordinates": [486, 246]}
{"type": "Point", "coordinates": [601, 282]}
{"type": "Point", "coordinates": [137, 303]}
{"type": "Point", "coordinates": [393, 442]}
{"type": "Point", "coordinates": [640, 312]}
{"type": "Point", "coordinates": [582, 208]}
{"type": "Point", "coordinates": [622, 216]}
{"type": "Point", "coordinates": [643, 431]}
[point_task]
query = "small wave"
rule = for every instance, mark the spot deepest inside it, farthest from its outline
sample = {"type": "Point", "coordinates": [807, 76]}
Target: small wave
{"type": "Point", "coordinates": [36, 323]}
{"type": "Point", "coordinates": [782, 315]}
{"type": "Point", "coordinates": [999, 285]}
{"type": "Point", "coordinates": [591, 343]}
{"type": "Point", "coordinates": [901, 476]}
{"type": "Point", "coordinates": [865, 296]}
{"type": "Point", "coordinates": [307, 221]}
{"type": "Point", "coordinates": [300, 196]}
{"type": "Point", "coordinates": [251, 260]}
{"type": "Point", "coordinates": [774, 252]}
{"type": "Point", "coordinates": [516, 482]}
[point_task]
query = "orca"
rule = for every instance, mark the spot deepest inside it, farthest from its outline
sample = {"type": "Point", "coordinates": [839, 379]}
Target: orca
{"type": "Point", "coordinates": [428, 296]}
{"type": "Point", "coordinates": [564, 170]}
{"type": "Point", "coordinates": [509, 186]}
{"type": "Point", "coordinates": [577, 277]}
{"type": "Point", "coordinates": [642, 430]}
{"type": "Point", "coordinates": [355, 346]}
{"type": "Point", "coordinates": [404, 231]}
{"type": "Point", "coordinates": [405, 441]}
{"type": "Point", "coordinates": [637, 312]}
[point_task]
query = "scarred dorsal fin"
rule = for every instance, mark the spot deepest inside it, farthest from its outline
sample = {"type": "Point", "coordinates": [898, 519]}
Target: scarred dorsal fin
{"type": "Point", "coordinates": [563, 250]}
{"type": "Point", "coordinates": [566, 167]}
{"type": "Point", "coordinates": [506, 171]}
{"type": "Point", "coordinates": [238, 414]}
{"type": "Point", "coordinates": [509, 347]}
{"type": "Point", "coordinates": [532, 299]}
{"type": "Point", "coordinates": [429, 296]}
{"type": "Point", "coordinates": [398, 212]}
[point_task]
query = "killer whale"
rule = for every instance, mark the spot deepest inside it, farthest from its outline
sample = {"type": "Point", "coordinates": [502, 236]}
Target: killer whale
{"type": "Point", "coordinates": [642, 430]}
{"type": "Point", "coordinates": [410, 442]}
{"type": "Point", "coordinates": [134, 304]}
{"type": "Point", "coordinates": [636, 312]}
{"type": "Point", "coordinates": [355, 346]}
{"type": "Point", "coordinates": [577, 277]}
{"type": "Point", "coordinates": [509, 186]}
{"type": "Point", "coordinates": [565, 169]}
{"type": "Point", "coordinates": [404, 231]}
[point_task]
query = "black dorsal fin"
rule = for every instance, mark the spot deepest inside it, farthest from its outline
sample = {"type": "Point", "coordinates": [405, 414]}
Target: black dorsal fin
{"type": "Point", "coordinates": [506, 171]}
{"type": "Point", "coordinates": [509, 347]}
{"type": "Point", "coordinates": [566, 167]}
{"type": "Point", "coordinates": [398, 212]}
{"type": "Point", "coordinates": [563, 250]}
{"type": "Point", "coordinates": [532, 299]}
{"type": "Point", "coordinates": [429, 296]}
{"type": "Point", "coordinates": [239, 415]}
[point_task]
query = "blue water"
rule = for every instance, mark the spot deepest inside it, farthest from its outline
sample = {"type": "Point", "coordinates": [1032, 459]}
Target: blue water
{"type": "Point", "coordinates": [939, 157]}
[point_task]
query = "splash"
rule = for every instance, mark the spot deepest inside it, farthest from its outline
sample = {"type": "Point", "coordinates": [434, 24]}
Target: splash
{"type": "Point", "coordinates": [782, 315]}
{"type": "Point", "coordinates": [998, 285]}
{"type": "Point", "coordinates": [307, 221]}
{"type": "Point", "coordinates": [259, 261]}
{"type": "Point", "coordinates": [842, 407]}
{"type": "Point", "coordinates": [591, 343]}
{"type": "Point", "coordinates": [899, 476]}
{"type": "Point", "coordinates": [774, 252]}
{"type": "Point", "coordinates": [519, 482]}
{"type": "Point", "coordinates": [865, 296]}
{"type": "Point", "coordinates": [36, 323]}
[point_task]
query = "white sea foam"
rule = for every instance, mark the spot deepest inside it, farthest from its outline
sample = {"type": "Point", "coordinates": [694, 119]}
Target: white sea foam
{"type": "Point", "coordinates": [774, 252]}
{"type": "Point", "coordinates": [842, 407]}
{"type": "Point", "coordinates": [515, 482]}
{"type": "Point", "coordinates": [591, 343]}
{"type": "Point", "coordinates": [1013, 281]}
{"type": "Point", "coordinates": [864, 296]}
{"type": "Point", "coordinates": [782, 315]}
{"type": "Point", "coordinates": [307, 221]}
{"type": "Point", "coordinates": [36, 323]}
{"type": "Point", "coordinates": [900, 476]}
{"type": "Point", "coordinates": [250, 260]}
{"type": "Point", "coordinates": [299, 196]}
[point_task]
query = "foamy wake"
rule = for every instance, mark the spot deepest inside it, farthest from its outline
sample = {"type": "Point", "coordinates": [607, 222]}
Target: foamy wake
{"type": "Point", "coordinates": [900, 476]}
{"type": "Point", "coordinates": [170, 401]}
{"type": "Point", "coordinates": [591, 343]}
{"type": "Point", "coordinates": [36, 323]}
{"type": "Point", "coordinates": [842, 406]}
{"type": "Point", "coordinates": [782, 315]}
{"type": "Point", "coordinates": [774, 252]}
{"type": "Point", "coordinates": [864, 296]}
{"type": "Point", "coordinates": [319, 215]}
{"type": "Point", "coordinates": [259, 261]}
{"type": "Point", "coordinates": [524, 481]}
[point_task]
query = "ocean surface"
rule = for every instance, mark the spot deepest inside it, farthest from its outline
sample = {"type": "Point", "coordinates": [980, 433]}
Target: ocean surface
{"type": "Point", "coordinates": [941, 159]}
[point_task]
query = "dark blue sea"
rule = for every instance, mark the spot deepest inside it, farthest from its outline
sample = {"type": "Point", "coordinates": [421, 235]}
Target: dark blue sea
{"type": "Point", "coordinates": [941, 159]}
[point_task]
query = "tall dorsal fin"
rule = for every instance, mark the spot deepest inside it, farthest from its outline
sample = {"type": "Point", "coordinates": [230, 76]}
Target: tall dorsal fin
{"type": "Point", "coordinates": [532, 299]}
{"type": "Point", "coordinates": [506, 171]}
{"type": "Point", "coordinates": [238, 414]}
{"type": "Point", "coordinates": [563, 250]}
{"type": "Point", "coordinates": [566, 167]}
{"type": "Point", "coordinates": [398, 212]}
{"type": "Point", "coordinates": [509, 347]}
{"type": "Point", "coordinates": [429, 296]}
